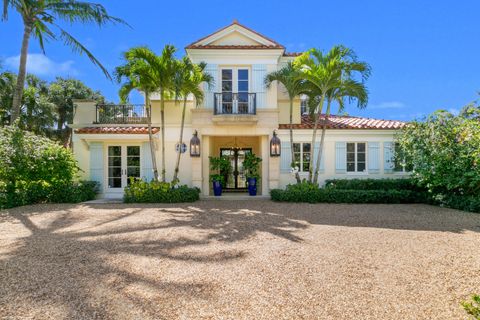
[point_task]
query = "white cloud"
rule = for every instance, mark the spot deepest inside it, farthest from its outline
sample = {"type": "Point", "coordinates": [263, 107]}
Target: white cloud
{"type": "Point", "coordinates": [41, 65]}
{"type": "Point", "coordinates": [388, 105]}
{"type": "Point", "coordinates": [454, 111]}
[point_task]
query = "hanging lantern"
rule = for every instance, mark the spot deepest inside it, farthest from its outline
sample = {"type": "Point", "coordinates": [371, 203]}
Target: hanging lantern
{"type": "Point", "coordinates": [195, 145]}
{"type": "Point", "coordinates": [275, 148]}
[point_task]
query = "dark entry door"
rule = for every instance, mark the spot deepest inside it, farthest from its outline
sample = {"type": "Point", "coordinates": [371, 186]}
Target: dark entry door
{"type": "Point", "coordinates": [236, 179]}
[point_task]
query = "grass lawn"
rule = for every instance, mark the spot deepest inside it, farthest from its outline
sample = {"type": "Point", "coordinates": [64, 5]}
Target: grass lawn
{"type": "Point", "coordinates": [237, 260]}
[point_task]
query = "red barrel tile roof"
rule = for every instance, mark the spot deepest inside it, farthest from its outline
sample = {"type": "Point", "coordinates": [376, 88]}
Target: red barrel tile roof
{"type": "Point", "coordinates": [347, 122]}
{"type": "Point", "coordinates": [115, 130]}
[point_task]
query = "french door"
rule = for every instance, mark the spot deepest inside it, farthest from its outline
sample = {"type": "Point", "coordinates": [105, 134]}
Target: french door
{"type": "Point", "coordinates": [236, 179]}
{"type": "Point", "coordinates": [123, 164]}
{"type": "Point", "coordinates": [235, 84]}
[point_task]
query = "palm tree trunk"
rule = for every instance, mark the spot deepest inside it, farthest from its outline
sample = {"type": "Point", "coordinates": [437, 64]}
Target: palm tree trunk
{"type": "Point", "coordinates": [22, 70]}
{"type": "Point", "coordinates": [297, 175]}
{"type": "Point", "coordinates": [162, 117]}
{"type": "Point", "coordinates": [322, 139]}
{"type": "Point", "coordinates": [314, 137]}
{"type": "Point", "coordinates": [177, 166]}
{"type": "Point", "coordinates": [150, 137]}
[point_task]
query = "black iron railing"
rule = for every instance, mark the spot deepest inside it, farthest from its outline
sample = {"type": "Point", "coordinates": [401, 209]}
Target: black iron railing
{"type": "Point", "coordinates": [235, 103]}
{"type": "Point", "coordinates": [121, 113]}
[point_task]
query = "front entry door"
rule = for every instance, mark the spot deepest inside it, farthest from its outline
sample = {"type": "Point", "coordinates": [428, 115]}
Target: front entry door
{"type": "Point", "coordinates": [236, 179]}
{"type": "Point", "coordinates": [123, 163]}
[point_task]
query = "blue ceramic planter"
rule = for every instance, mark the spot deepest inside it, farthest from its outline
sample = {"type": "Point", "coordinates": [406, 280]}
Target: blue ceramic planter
{"type": "Point", "coordinates": [217, 188]}
{"type": "Point", "coordinates": [252, 186]}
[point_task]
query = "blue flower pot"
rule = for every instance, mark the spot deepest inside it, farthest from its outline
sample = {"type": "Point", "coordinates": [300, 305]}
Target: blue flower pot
{"type": "Point", "coordinates": [217, 188]}
{"type": "Point", "coordinates": [252, 186]}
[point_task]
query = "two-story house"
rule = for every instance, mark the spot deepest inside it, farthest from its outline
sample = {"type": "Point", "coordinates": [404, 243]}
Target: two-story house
{"type": "Point", "coordinates": [238, 115]}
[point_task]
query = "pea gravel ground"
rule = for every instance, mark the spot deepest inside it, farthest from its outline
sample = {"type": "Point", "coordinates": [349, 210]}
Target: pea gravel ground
{"type": "Point", "coordinates": [237, 260]}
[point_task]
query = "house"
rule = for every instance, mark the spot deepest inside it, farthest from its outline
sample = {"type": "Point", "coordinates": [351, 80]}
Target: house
{"type": "Point", "coordinates": [238, 115]}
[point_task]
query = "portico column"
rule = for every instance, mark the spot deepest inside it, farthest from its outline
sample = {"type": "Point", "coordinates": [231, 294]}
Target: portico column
{"type": "Point", "coordinates": [205, 170]}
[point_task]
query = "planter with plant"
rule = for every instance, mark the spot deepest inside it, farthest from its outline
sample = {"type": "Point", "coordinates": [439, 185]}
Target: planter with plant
{"type": "Point", "coordinates": [251, 165]}
{"type": "Point", "coordinates": [219, 168]}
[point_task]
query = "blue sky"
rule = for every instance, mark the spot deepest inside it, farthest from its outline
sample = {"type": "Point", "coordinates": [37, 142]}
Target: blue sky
{"type": "Point", "coordinates": [424, 54]}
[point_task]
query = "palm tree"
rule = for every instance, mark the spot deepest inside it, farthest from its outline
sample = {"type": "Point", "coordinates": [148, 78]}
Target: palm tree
{"type": "Point", "coordinates": [39, 17]}
{"type": "Point", "coordinates": [139, 75]}
{"type": "Point", "coordinates": [327, 74]}
{"type": "Point", "coordinates": [289, 76]}
{"type": "Point", "coordinates": [187, 82]}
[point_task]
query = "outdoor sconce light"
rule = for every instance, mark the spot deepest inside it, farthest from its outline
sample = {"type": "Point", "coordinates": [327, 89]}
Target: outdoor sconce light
{"type": "Point", "coordinates": [275, 148]}
{"type": "Point", "coordinates": [195, 145]}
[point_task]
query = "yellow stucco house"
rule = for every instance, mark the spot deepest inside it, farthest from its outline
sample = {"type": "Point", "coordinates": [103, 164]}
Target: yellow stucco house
{"type": "Point", "coordinates": [238, 115]}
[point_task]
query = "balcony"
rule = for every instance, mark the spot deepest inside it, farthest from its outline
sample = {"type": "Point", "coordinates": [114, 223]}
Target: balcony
{"type": "Point", "coordinates": [236, 103]}
{"type": "Point", "coordinates": [121, 114]}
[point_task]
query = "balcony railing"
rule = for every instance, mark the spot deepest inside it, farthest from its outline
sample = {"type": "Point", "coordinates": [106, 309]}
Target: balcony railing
{"type": "Point", "coordinates": [121, 114]}
{"type": "Point", "coordinates": [235, 103]}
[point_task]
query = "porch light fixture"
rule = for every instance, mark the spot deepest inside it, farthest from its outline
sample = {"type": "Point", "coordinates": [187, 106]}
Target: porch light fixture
{"type": "Point", "coordinates": [275, 148]}
{"type": "Point", "coordinates": [195, 145]}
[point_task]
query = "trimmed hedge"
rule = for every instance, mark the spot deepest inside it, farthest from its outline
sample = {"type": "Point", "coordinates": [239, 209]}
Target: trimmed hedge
{"type": "Point", "coordinates": [372, 184]}
{"type": "Point", "coordinates": [372, 191]}
{"type": "Point", "coordinates": [24, 193]}
{"type": "Point", "coordinates": [313, 194]}
{"type": "Point", "coordinates": [159, 192]}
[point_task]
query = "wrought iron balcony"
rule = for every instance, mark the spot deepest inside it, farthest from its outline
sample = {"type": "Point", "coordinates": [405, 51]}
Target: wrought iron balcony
{"type": "Point", "coordinates": [236, 103]}
{"type": "Point", "coordinates": [121, 114]}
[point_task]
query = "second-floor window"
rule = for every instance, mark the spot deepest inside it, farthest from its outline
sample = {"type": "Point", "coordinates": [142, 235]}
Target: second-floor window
{"type": "Point", "coordinates": [303, 105]}
{"type": "Point", "coordinates": [356, 157]}
{"type": "Point", "coordinates": [235, 85]}
{"type": "Point", "coordinates": [302, 152]}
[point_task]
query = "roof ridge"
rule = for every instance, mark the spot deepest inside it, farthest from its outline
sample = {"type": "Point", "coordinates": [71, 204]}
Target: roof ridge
{"type": "Point", "coordinates": [357, 117]}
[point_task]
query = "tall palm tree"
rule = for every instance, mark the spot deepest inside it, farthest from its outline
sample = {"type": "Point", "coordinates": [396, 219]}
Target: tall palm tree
{"type": "Point", "coordinates": [326, 73]}
{"type": "Point", "coordinates": [289, 77]}
{"type": "Point", "coordinates": [187, 82]}
{"type": "Point", "coordinates": [39, 16]}
{"type": "Point", "coordinates": [139, 75]}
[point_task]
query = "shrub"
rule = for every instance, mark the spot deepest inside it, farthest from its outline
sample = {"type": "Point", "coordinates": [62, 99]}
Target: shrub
{"type": "Point", "coordinates": [311, 193]}
{"type": "Point", "coordinates": [461, 202]}
{"type": "Point", "coordinates": [372, 184]}
{"type": "Point", "coordinates": [159, 192]}
{"type": "Point", "coordinates": [473, 307]}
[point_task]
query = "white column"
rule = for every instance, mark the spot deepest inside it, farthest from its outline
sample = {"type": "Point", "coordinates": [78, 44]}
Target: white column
{"type": "Point", "coordinates": [264, 144]}
{"type": "Point", "coordinates": [205, 172]}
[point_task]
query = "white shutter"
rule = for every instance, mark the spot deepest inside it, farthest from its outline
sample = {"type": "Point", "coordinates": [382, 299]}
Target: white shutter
{"type": "Point", "coordinates": [97, 163]}
{"type": "Point", "coordinates": [285, 157]}
{"type": "Point", "coordinates": [259, 71]}
{"type": "Point", "coordinates": [373, 157]}
{"type": "Point", "coordinates": [388, 157]}
{"type": "Point", "coordinates": [340, 157]}
{"type": "Point", "coordinates": [315, 157]}
{"type": "Point", "coordinates": [147, 166]}
{"type": "Point", "coordinates": [208, 100]}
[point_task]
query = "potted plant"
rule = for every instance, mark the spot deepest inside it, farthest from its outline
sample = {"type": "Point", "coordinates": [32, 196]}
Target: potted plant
{"type": "Point", "coordinates": [219, 168]}
{"type": "Point", "coordinates": [251, 166]}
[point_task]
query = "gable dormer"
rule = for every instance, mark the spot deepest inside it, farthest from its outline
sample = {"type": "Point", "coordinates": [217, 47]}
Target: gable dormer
{"type": "Point", "coordinates": [235, 36]}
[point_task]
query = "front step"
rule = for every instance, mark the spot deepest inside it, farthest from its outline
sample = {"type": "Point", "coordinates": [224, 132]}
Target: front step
{"type": "Point", "coordinates": [229, 197]}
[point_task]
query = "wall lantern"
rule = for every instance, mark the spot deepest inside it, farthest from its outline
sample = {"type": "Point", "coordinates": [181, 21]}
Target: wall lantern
{"type": "Point", "coordinates": [195, 145]}
{"type": "Point", "coordinates": [275, 148]}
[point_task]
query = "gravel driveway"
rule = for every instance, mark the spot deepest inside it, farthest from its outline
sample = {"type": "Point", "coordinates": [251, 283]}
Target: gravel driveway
{"type": "Point", "coordinates": [237, 260]}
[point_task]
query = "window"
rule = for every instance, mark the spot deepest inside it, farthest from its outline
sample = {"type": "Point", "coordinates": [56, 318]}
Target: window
{"type": "Point", "coordinates": [356, 157]}
{"type": "Point", "coordinates": [399, 160]}
{"type": "Point", "coordinates": [302, 152]}
{"type": "Point", "coordinates": [303, 105]}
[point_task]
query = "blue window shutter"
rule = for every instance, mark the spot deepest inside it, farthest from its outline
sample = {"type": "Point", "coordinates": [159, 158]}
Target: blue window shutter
{"type": "Point", "coordinates": [147, 167]}
{"type": "Point", "coordinates": [315, 157]}
{"type": "Point", "coordinates": [340, 157]}
{"type": "Point", "coordinates": [388, 161]}
{"type": "Point", "coordinates": [97, 163]}
{"type": "Point", "coordinates": [285, 157]}
{"type": "Point", "coordinates": [208, 100]}
{"type": "Point", "coordinates": [373, 157]}
{"type": "Point", "coordinates": [259, 71]}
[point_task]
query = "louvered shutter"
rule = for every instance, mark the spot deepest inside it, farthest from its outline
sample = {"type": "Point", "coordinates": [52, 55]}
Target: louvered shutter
{"type": "Point", "coordinates": [340, 157]}
{"type": "Point", "coordinates": [373, 157]}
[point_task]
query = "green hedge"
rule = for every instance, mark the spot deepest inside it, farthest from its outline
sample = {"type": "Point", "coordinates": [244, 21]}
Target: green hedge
{"type": "Point", "coordinates": [159, 192]}
{"type": "Point", "coordinates": [372, 184]}
{"type": "Point", "coordinates": [305, 192]}
{"type": "Point", "coordinates": [24, 193]}
{"type": "Point", "coordinates": [466, 203]}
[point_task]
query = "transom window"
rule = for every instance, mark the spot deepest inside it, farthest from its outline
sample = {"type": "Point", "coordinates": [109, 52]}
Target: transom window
{"type": "Point", "coordinates": [302, 153]}
{"type": "Point", "coordinates": [356, 157]}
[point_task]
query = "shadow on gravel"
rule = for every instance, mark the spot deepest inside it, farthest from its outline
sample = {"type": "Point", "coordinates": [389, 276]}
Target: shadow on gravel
{"type": "Point", "coordinates": [64, 262]}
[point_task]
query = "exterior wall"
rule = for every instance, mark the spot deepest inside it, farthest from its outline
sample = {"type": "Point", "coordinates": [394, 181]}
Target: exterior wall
{"type": "Point", "coordinates": [284, 111]}
{"type": "Point", "coordinates": [333, 136]}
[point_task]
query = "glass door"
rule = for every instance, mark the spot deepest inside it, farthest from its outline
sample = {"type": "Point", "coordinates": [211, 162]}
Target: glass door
{"type": "Point", "coordinates": [235, 86]}
{"type": "Point", "coordinates": [236, 179]}
{"type": "Point", "coordinates": [123, 164]}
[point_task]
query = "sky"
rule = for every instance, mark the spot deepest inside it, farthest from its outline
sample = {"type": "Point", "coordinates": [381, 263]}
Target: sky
{"type": "Point", "coordinates": [424, 54]}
